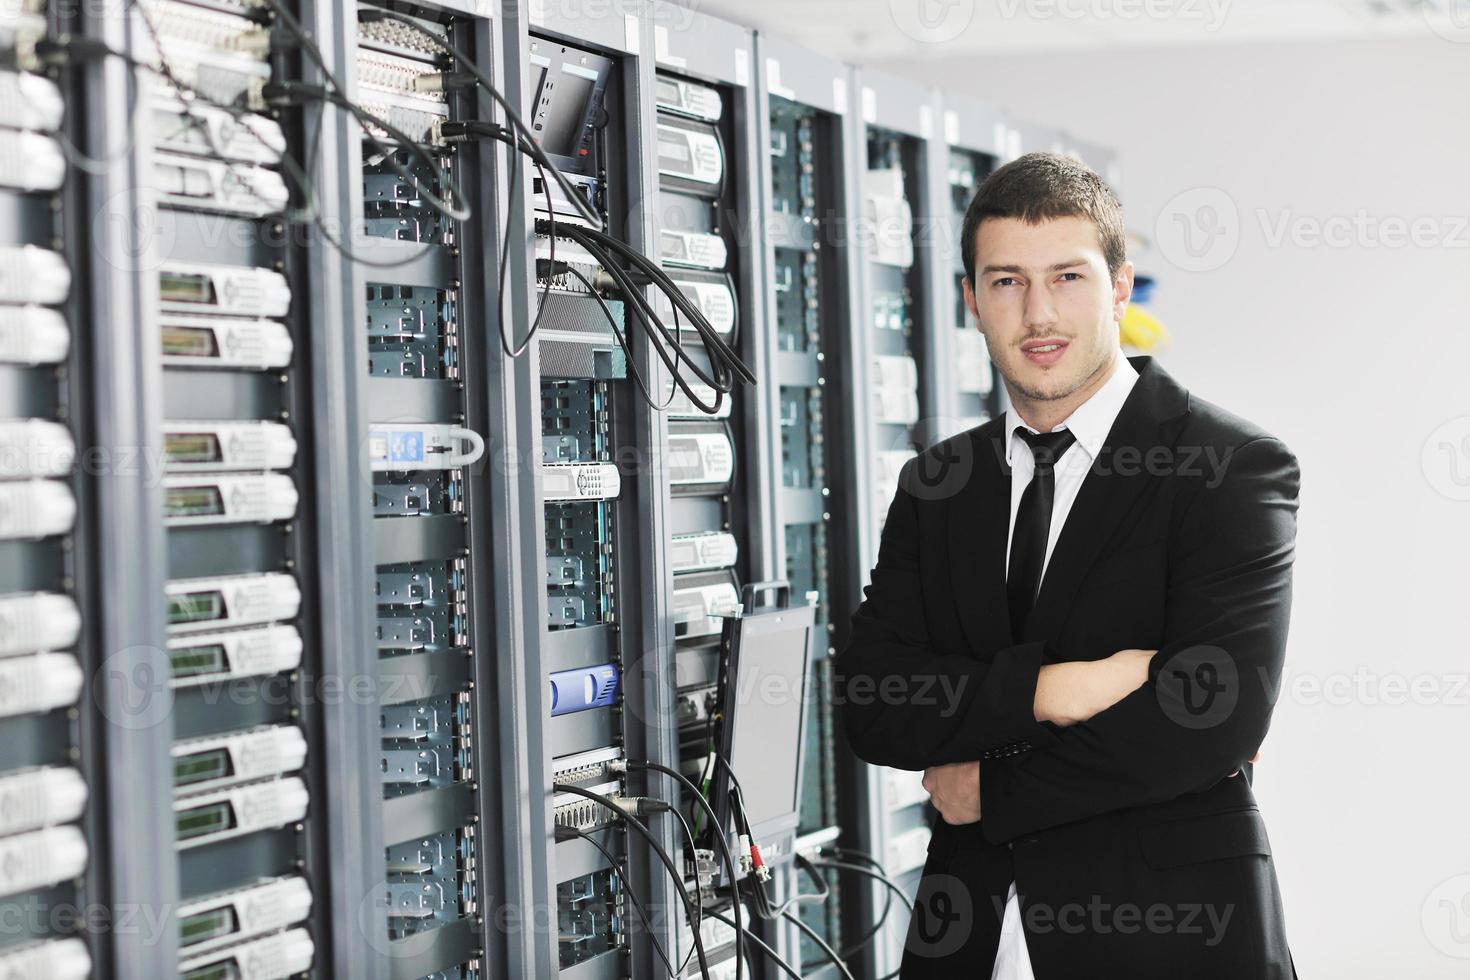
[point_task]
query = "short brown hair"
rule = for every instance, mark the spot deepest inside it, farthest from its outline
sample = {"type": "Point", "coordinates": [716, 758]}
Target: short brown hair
{"type": "Point", "coordinates": [1038, 187]}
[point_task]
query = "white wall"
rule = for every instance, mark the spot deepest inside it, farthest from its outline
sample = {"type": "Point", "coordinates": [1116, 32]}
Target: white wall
{"type": "Point", "coordinates": [1355, 355]}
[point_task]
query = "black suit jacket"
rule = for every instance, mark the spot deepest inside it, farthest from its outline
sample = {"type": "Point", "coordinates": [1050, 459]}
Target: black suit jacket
{"type": "Point", "coordinates": [1134, 851]}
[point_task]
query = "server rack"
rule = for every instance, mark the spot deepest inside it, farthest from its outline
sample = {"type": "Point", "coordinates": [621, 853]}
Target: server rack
{"type": "Point", "coordinates": [809, 176]}
{"type": "Point", "coordinates": [970, 391]}
{"type": "Point", "coordinates": [702, 63]}
{"type": "Point", "coordinates": [605, 612]}
{"type": "Point", "coordinates": [894, 337]}
{"type": "Point", "coordinates": [54, 835]}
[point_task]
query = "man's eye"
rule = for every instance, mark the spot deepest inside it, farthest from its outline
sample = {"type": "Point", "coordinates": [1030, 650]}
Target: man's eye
{"type": "Point", "coordinates": [1003, 281]}
{"type": "Point", "coordinates": [1071, 276]}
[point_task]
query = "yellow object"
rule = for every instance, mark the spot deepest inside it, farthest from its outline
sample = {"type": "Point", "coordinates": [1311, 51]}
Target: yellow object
{"type": "Point", "coordinates": [1141, 331]}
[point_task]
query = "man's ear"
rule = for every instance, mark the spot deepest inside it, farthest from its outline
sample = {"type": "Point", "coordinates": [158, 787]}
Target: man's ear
{"type": "Point", "coordinates": [1122, 290]}
{"type": "Point", "coordinates": [970, 304]}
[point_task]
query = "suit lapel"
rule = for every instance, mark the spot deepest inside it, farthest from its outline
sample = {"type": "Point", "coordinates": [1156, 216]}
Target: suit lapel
{"type": "Point", "coordinates": [979, 513]}
{"type": "Point", "coordinates": [1110, 488]}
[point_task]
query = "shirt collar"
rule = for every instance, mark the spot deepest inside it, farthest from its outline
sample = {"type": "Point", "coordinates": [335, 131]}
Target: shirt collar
{"type": "Point", "coordinates": [1092, 420]}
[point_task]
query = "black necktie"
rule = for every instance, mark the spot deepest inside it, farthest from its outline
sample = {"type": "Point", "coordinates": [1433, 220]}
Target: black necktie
{"type": "Point", "coordinates": [1033, 524]}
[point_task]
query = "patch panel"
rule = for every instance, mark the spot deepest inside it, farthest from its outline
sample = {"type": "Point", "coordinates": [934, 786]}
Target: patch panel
{"type": "Point", "coordinates": [224, 760]}
{"type": "Point", "coordinates": [44, 796]}
{"type": "Point", "coordinates": [219, 55]}
{"type": "Point", "coordinates": [217, 920]}
{"type": "Point", "coordinates": [33, 335]}
{"type": "Point", "coordinates": [34, 509]}
{"type": "Point", "coordinates": [202, 658]}
{"type": "Point", "coordinates": [586, 767]}
{"type": "Point", "coordinates": [205, 446]}
{"type": "Point", "coordinates": [217, 343]}
{"type": "Point", "coordinates": [571, 810]}
{"type": "Point", "coordinates": [283, 954]}
{"type": "Point", "coordinates": [206, 818]}
{"type": "Point", "coordinates": [396, 90]}
{"type": "Point", "coordinates": [54, 959]}
{"type": "Point", "coordinates": [232, 600]}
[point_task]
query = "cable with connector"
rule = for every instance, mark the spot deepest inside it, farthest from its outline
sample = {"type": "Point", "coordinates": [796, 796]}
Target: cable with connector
{"type": "Point", "coordinates": [628, 808]}
{"type": "Point", "coordinates": [369, 15]}
{"type": "Point", "coordinates": [760, 944]}
{"type": "Point", "coordinates": [717, 832]}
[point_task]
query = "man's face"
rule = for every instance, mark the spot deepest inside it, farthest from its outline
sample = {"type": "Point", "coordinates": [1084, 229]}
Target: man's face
{"type": "Point", "coordinates": [1046, 304]}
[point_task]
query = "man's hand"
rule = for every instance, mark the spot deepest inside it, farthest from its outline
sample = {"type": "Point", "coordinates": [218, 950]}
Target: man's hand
{"type": "Point", "coordinates": [955, 791]}
{"type": "Point", "coordinates": [1069, 693]}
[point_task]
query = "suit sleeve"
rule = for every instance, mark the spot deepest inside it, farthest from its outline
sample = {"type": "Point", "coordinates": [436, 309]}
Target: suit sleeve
{"type": "Point", "coordinates": [1206, 705]}
{"type": "Point", "coordinates": [908, 706]}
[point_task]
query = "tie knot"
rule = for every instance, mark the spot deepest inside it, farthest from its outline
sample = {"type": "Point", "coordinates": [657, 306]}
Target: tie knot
{"type": "Point", "coordinates": [1047, 447]}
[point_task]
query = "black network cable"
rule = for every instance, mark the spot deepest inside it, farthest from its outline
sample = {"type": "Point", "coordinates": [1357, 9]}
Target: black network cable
{"type": "Point", "coordinates": [648, 835]}
{"type": "Point", "coordinates": [821, 944]}
{"type": "Point", "coordinates": [721, 357]}
{"type": "Point", "coordinates": [367, 16]}
{"type": "Point", "coordinates": [724, 847]}
{"type": "Point", "coordinates": [632, 897]}
{"type": "Point", "coordinates": [771, 954]}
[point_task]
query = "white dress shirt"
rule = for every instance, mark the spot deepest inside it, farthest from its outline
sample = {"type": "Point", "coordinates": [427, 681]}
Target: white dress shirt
{"type": "Point", "coordinates": [1090, 422]}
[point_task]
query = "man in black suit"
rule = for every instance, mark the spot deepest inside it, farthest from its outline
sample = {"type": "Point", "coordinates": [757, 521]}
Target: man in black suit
{"type": "Point", "coordinates": [1076, 627]}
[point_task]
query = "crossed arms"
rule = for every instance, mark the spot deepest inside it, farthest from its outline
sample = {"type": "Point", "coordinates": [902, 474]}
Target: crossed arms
{"type": "Point", "coordinates": [1097, 736]}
